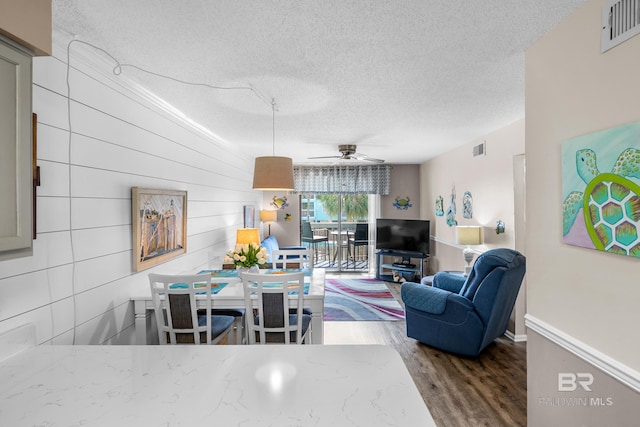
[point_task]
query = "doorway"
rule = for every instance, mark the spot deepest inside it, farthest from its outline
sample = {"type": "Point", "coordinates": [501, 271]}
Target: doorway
{"type": "Point", "coordinates": [337, 227]}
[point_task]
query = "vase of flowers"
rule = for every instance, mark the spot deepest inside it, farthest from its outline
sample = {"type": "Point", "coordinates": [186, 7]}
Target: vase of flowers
{"type": "Point", "coordinates": [247, 257]}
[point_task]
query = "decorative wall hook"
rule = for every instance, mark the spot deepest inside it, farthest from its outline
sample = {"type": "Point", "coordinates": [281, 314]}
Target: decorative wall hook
{"type": "Point", "coordinates": [500, 227]}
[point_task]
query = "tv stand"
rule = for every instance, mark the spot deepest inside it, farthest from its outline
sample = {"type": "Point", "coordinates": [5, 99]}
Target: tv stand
{"type": "Point", "coordinates": [385, 271]}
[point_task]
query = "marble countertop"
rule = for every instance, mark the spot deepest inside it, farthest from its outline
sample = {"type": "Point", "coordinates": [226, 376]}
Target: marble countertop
{"type": "Point", "coordinates": [308, 385]}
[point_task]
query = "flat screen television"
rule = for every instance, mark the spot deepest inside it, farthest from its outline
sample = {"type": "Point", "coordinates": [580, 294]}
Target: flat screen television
{"type": "Point", "coordinates": [403, 235]}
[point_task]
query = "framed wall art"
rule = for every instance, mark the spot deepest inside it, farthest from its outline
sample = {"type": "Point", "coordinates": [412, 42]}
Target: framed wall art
{"type": "Point", "coordinates": [159, 226]}
{"type": "Point", "coordinates": [601, 190]}
{"type": "Point", "coordinates": [249, 216]}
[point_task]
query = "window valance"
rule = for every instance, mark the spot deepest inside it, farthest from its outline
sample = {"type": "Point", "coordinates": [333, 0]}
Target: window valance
{"type": "Point", "coordinates": [355, 179]}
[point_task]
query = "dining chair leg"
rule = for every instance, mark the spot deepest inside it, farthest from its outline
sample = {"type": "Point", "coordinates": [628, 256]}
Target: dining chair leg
{"type": "Point", "coordinates": [239, 330]}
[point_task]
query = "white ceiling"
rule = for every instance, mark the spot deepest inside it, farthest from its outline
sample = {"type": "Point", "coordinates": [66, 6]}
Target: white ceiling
{"type": "Point", "coordinates": [405, 80]}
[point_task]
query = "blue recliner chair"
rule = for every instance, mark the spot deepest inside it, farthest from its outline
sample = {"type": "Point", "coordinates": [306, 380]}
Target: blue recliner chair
{"type": "Point", "coordinates": [464, 315]}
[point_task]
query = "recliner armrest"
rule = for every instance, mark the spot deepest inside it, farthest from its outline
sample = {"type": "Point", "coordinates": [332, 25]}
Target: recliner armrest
{"type": "Point", "coordinates": [448, 281]}
{"type": "Point", "coordinates": [424, 298]}
{"type": "Point", "coordinates": [429, 299]}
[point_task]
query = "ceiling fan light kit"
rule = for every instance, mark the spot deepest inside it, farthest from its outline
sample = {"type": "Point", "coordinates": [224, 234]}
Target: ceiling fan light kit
{"type": "Point", "coordinates": [348, 152]}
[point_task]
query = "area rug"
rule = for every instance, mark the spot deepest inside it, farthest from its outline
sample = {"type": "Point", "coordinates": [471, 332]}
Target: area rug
{"type": "Point", "coordinates": [360, 299]}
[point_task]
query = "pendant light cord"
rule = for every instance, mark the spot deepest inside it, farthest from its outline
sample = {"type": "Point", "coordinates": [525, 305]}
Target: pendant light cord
{"type": "Point", "coordinates": [118, 69]}
{"type": "Point", "coordinates": [273, 114]}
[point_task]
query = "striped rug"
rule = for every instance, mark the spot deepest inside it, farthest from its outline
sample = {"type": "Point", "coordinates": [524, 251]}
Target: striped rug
{"type": "Point", "coordinates": [360, 299]}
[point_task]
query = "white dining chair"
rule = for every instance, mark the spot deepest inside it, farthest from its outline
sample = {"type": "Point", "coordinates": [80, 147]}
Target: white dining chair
{"type": "Point", "coordinates": [178, 318]}
{"type": "Point", "coordinates": [292, 258]}
{"type": "Point", "coordinates": [274, 307]}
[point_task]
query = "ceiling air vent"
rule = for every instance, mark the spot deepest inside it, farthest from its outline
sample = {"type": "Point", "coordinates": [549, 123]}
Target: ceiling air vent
{"type": "Point", "coordinates": [620, 22]}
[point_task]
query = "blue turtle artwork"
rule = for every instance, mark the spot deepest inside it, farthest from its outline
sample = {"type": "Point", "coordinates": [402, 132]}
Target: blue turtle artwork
{"type": "Point", "coordinates": [601, 210]}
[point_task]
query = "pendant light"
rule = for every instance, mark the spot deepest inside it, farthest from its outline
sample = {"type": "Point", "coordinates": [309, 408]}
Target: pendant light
{"type": "Point", "coordinates": [272, 172]}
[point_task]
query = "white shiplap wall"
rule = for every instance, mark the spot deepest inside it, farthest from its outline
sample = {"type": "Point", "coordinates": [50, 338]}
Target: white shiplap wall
{"type": "Point", "coordinates": [76, 286]}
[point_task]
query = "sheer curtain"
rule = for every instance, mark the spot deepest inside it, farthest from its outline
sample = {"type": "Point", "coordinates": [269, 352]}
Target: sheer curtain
{"type": "Point", "coordinates": [355, 179]}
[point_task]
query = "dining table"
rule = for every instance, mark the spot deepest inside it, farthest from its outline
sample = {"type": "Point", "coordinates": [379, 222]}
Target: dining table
{"type": "Point", "coordinates": [229, 293]}
{"type": "Point", "coordinates": [189, 385]}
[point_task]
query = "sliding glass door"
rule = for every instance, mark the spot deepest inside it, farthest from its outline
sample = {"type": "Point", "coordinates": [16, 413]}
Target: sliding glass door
{"type": "Point", "coordinates": [337, 228]}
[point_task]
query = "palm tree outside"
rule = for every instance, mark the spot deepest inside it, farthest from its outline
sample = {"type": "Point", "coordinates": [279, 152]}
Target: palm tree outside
{"type": "Point", "coordinates": [354, 207]}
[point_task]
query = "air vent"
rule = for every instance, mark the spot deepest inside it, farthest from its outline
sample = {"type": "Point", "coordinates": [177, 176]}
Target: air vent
{"type": "Point", "coordinates": [620, 22]}
{"type": "Point", "coordinates": [480, 149]}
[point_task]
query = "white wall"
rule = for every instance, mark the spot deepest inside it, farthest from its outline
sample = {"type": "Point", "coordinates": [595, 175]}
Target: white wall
{"type": "Point", "coordinates": [584, 301]}
{"type": "Point", "coordinates": [76, 287]}
{"type": "Point", "coordinates": [489, 179]}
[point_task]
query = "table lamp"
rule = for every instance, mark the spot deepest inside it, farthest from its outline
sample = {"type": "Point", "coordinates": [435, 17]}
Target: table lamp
{"type": "Point", "coordinates": [247, 236]}
{"type": "Point", "coordinates": [468, 235]}
{"type": "Point", "coordinates": [269, 217]}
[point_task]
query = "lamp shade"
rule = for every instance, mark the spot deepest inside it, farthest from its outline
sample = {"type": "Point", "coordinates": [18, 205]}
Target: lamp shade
{"type": "Point", "coordinates": [273, 173]}
{"type": "Point", "coordinates": [247, 236]}
{"type": "Point", "coordinates": [268, 216]}
{"type": "Point", "coordinates": [468, 235]}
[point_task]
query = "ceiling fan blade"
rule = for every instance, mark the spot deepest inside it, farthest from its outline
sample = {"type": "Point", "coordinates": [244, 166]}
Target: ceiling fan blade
{"type": "Point", "coordinates": [325, 157]}
{"type": "Point", "coordinates": [366, 158]}
{"type": "Point", "coordinates": [371, 159]}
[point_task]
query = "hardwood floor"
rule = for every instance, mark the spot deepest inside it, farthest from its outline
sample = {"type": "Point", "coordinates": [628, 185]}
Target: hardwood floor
{"type": "Point", "coordinates": [490, 390]}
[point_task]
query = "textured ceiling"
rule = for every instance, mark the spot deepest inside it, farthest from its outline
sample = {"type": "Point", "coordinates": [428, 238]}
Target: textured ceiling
{"type": "Point", "coordinates": [405, 80]}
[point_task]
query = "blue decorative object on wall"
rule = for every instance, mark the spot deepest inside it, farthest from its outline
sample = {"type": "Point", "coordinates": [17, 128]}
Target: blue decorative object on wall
{"type": "Point", "coordinates": [402, 204]}
{"type": "Point", "coordinates": [279, 202]}
{"type": "Point", "coordinates": [467, 205]}
{"type": "Point", "coordinates": [439, 206]}
{"type": "Point", "coordinates": [451, 210]}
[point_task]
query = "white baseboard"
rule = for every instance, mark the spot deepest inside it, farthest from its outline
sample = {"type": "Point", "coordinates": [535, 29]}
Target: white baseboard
{"type": "Point", "coordinates": [516, 338]}
{"type": "Point", "coordinates": [606, 364]}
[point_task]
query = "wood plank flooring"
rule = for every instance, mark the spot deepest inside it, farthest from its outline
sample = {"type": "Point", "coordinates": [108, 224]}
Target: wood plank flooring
{"type": "Point", "coordinates": [490, 390]}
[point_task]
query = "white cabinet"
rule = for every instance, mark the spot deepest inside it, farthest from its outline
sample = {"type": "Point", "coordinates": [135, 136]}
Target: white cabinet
{"type": "Point", "coordinates": [16, 179]}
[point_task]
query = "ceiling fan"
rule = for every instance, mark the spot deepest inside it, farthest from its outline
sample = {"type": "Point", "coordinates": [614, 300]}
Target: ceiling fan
{"type": "Point", "coordinates": [348, 152]}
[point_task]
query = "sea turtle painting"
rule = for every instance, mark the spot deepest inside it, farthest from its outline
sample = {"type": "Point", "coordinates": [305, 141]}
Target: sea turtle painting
{"type": "Point", "coordinates": [608, 210]}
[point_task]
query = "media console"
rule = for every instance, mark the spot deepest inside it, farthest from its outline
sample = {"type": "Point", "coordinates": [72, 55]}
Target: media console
{"type": "Point", "coordinates": [385, 271]}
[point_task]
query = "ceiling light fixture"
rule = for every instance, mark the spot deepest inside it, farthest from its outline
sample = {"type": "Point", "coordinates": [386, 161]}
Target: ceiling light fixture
{"type": "Point", "coordinates": [272, 172]}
